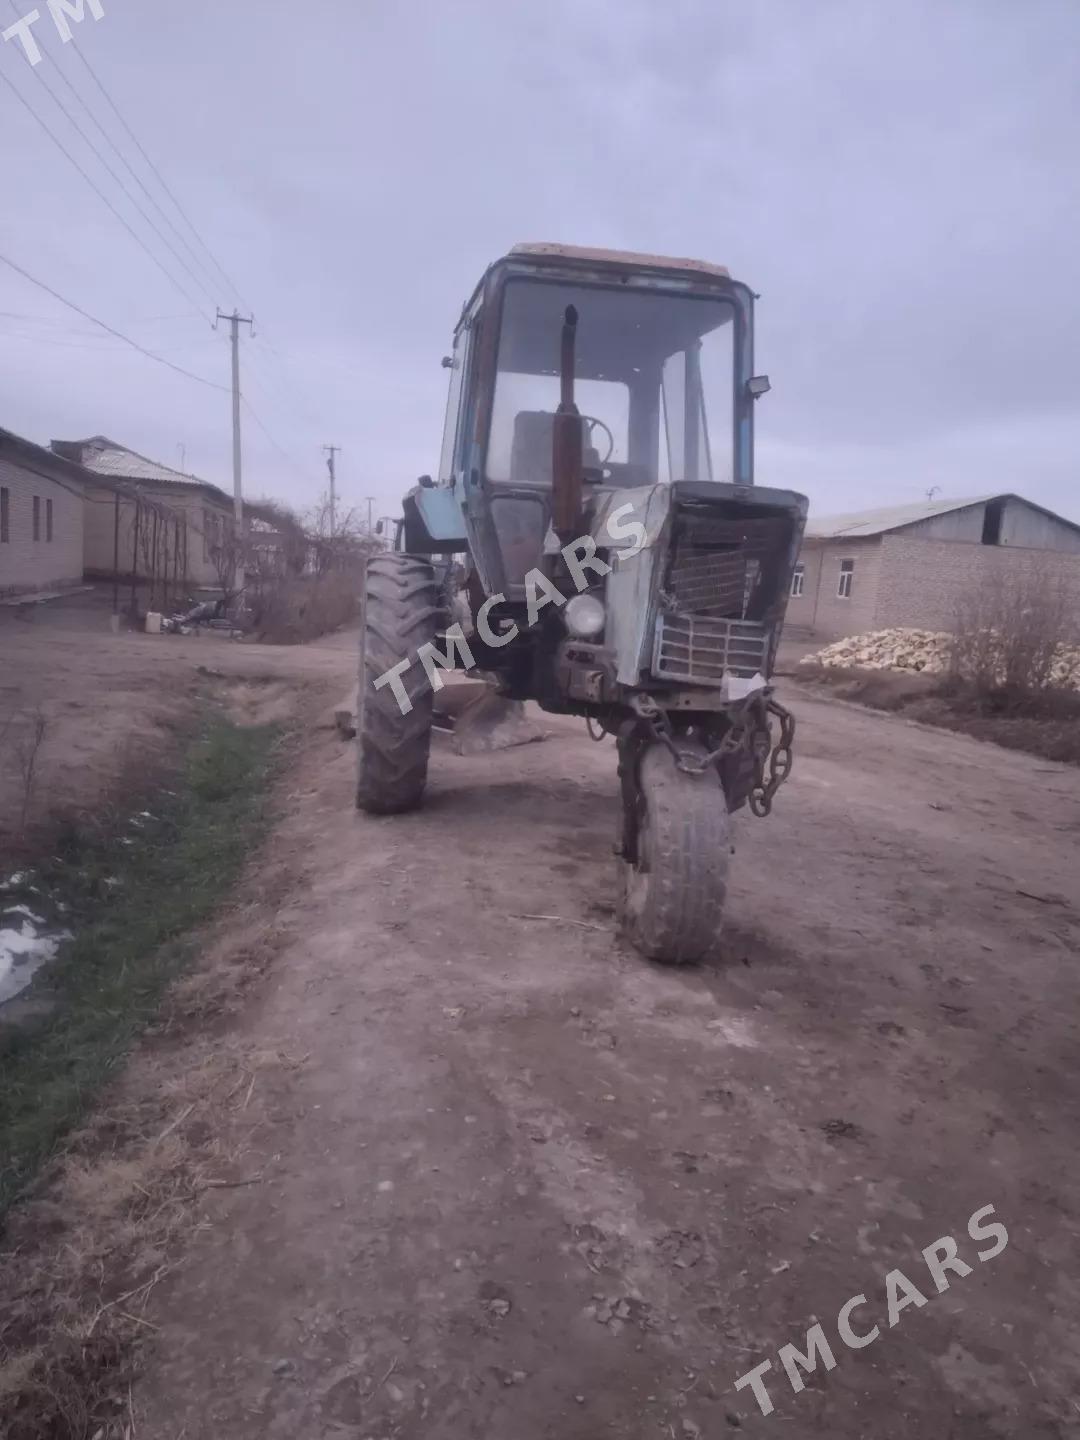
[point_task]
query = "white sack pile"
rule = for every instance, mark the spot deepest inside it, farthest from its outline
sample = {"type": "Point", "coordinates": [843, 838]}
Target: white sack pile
{"type": "Point", "coordinates": [925, 650]}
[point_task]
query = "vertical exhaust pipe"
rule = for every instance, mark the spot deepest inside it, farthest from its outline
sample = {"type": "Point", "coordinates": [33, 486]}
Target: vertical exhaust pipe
{"type": "Point", "coordinates": [567, 441]}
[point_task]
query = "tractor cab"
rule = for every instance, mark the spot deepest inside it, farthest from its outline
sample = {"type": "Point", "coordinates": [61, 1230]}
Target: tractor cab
{"type": "Point", "coordinates": [662, 383]}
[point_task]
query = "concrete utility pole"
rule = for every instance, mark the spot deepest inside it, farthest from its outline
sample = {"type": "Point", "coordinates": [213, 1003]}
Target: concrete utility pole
{"type": "Point", "coordinates": [235, 321]}
{"type": "Point", "coordinates": [370, 503]}
{"type": "Point", "coordinates": [331, 451]}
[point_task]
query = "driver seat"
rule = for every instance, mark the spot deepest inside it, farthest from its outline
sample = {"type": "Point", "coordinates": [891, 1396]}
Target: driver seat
{"type": "Point", "coordinates": [530, 449]}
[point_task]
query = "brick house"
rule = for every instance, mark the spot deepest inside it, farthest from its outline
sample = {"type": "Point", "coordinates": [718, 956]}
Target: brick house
{"type": "Point", "coordinates": [146, 518]}
{"type": "Point", "coordinates": [42, 503]}
{"type": "Point", "coordinates": [911, 564]}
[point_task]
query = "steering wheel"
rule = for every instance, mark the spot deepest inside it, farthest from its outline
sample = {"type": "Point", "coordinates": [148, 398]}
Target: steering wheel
{"type": "Point", "coordinates": [591, 420]}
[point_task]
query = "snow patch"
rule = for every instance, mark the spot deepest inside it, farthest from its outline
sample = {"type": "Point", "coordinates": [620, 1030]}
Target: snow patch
{"type": "Point", "coordinates": [23, 951]}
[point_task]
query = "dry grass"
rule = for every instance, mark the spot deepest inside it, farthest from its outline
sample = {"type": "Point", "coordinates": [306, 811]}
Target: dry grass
{"type": "Point", "coordinates": [108, 1226]}
{"type": "Point", "coordinates": [301, 607]}
{"type": "Point", "coordinates": [1045, 724]}
{"type": "Point", "coordinates": [109, 1215]}
{"type": "Point", "coordinates": [138, 765]}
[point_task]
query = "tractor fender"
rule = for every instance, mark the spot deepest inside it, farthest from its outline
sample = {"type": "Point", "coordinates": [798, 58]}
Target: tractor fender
{"type": "Point", "coordinates": [434, 524]}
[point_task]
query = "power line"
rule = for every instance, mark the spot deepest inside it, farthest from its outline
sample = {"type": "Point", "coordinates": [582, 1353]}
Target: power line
{"type": "Point", "coordinates": [160, 178]}
{"type": "Point", "coordinates": [136, 177]}
{"type": "Point", "coordinates": [90, 143]}
{"type": "Point", "coordinates": [92, 341]}
{"type": "Point", "coordinates": [280, 389]}
{"type": "Point", "coordinates": [93, 318]}
{"type": "Point", "coordinates": [280, 450]}
{"type": "Point", "coordinates": [287, 395]}
{"type": "Point", "coordinates": [99, 192]}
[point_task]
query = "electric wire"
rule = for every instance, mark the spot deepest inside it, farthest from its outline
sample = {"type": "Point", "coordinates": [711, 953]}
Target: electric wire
{"type": "Point", "coordinates": [174, 228]}
{"type": "Point", "coordinates": [287, 393]}
{"type": "Point", "coordinates": [212, 384]}
{"type": "Point", "coordinates": [282, 396]}
{"type": "Point", "coordinates": [100, 193]}
{"type": "Point", "coordinates": [280, 449]}
{"type": "Point", "coordinates": [90, 143]}
{"type": "Point", "coordinates": [234, 290]}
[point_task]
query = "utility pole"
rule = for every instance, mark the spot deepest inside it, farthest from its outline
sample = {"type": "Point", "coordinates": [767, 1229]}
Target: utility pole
{"type": "Point", "coordinates": [370, 503]}
{"type": "Point", "coordinates": [235, 321]}
{"type": "Point", "coordinates": [331, 451]}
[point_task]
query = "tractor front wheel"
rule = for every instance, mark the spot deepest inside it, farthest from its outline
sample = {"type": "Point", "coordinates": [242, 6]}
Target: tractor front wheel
{"type": "Point", "coordinates": [671, 895]}
{"type": "Point", "coordinates": [401, 612]}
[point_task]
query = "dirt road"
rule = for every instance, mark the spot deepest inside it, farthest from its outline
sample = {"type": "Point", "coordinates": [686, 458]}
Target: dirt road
{"type": "Point", "coordinates": [521, 1184]}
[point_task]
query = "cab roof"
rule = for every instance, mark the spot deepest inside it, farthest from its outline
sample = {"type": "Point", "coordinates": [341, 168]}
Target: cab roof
{"type": "Point", "coordinates": [546, 250]}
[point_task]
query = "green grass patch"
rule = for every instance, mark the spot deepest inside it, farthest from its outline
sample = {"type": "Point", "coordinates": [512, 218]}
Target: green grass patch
{"type": "Point", "coordinates": [131, 892]}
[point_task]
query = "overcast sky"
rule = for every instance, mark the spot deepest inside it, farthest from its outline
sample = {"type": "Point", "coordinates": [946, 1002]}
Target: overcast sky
{"type": "Point", "coordinates": [900, 181]}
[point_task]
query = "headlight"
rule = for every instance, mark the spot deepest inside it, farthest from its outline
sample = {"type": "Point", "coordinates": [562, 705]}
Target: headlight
{"type": "Point", "coordinates": [585, 616]}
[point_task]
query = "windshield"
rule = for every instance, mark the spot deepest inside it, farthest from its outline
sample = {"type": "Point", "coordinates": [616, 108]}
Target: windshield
{"type": "Point", "coordinates": [655, 376]}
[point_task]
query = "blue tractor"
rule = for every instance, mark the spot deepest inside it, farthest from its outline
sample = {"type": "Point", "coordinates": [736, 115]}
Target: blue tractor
{"type": "Point", "coordinates": [594, 541]}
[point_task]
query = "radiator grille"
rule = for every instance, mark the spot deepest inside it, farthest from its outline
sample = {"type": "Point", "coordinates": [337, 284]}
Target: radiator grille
{"type": "Point", "coordinates": [716, 563]}
{"type": "Point", "coordinates": [701, 649]}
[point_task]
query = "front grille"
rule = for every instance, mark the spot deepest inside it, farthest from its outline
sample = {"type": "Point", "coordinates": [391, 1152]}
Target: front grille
{"type": "Point", "coordinates": [716, 563]}
{"type": "Point", "coordinates": [701, 649]}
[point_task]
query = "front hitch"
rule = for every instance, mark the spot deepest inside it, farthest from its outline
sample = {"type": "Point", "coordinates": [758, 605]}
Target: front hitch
{"type": "Point", "coordinates": [749, 730]}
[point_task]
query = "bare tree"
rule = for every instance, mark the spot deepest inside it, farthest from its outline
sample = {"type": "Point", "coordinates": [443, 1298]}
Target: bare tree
{"type": "Point", "coordinates": [339, 538]}
{"type": "Point", "coordinates": [228, 554]}
{"type": "Point", "coordinates": [278, 532]}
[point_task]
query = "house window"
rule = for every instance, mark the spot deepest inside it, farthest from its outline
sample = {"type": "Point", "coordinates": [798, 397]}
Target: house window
{"type": "Point", "coordinates": [48, 520]}
{"type": "Point", "coordinates": [37, 517]}
{"type": "Point", "coordinates": [798, 579]}
{"type": "Point", "coordinates": [5, 514]}
{"type": "Point", "coordinates": [847, 577]}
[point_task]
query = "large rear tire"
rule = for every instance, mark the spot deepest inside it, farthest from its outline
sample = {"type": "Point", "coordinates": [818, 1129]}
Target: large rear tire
{"type": "Point", "coordinates": [671, 898]}
{"type": "Point", "coordinates": [401, 612]}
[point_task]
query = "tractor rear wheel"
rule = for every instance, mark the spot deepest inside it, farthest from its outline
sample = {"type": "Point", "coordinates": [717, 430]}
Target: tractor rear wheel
{"type": "Point", "coordinates": [401, 612]}
{"type": "Point", "coordinates": [671, 898]}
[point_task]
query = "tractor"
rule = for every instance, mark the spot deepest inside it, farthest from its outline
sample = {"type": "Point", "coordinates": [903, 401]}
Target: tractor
{"type": "Point", "coordinates": [594, 542]}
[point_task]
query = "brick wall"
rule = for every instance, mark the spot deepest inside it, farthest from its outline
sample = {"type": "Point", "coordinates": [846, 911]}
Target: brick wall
{"type": "Point", "coordinates": [921, 581]}
{"type": "Point", "coordinates": [42, 564]}
{"type": "Point", "coordinates": [820, 609]}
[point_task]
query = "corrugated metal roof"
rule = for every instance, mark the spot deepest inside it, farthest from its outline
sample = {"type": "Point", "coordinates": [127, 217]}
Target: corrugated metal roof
{"type": "Point", "coordinates": [892, 517]}
{"type": "Point", "coordinates": [117, 462]}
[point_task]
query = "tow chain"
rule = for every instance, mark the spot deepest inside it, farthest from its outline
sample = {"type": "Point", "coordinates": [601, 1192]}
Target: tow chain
{"type": "Point", "coordinates": [750, 728]}
{"type": "Point", "coordinates": [778, 755]}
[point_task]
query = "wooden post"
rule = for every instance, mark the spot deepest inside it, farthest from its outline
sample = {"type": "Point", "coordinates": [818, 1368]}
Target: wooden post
{"type": "Point", "coordinates": [116, 554]}
{"type": "Point", "coordinates": [135, 556]}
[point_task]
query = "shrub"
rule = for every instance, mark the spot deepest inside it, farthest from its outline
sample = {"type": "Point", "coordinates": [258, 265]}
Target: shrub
{"type": "Point", "coordinates": [295, 608]}
{"type": "Point", "coordinates": [1011, 639]}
